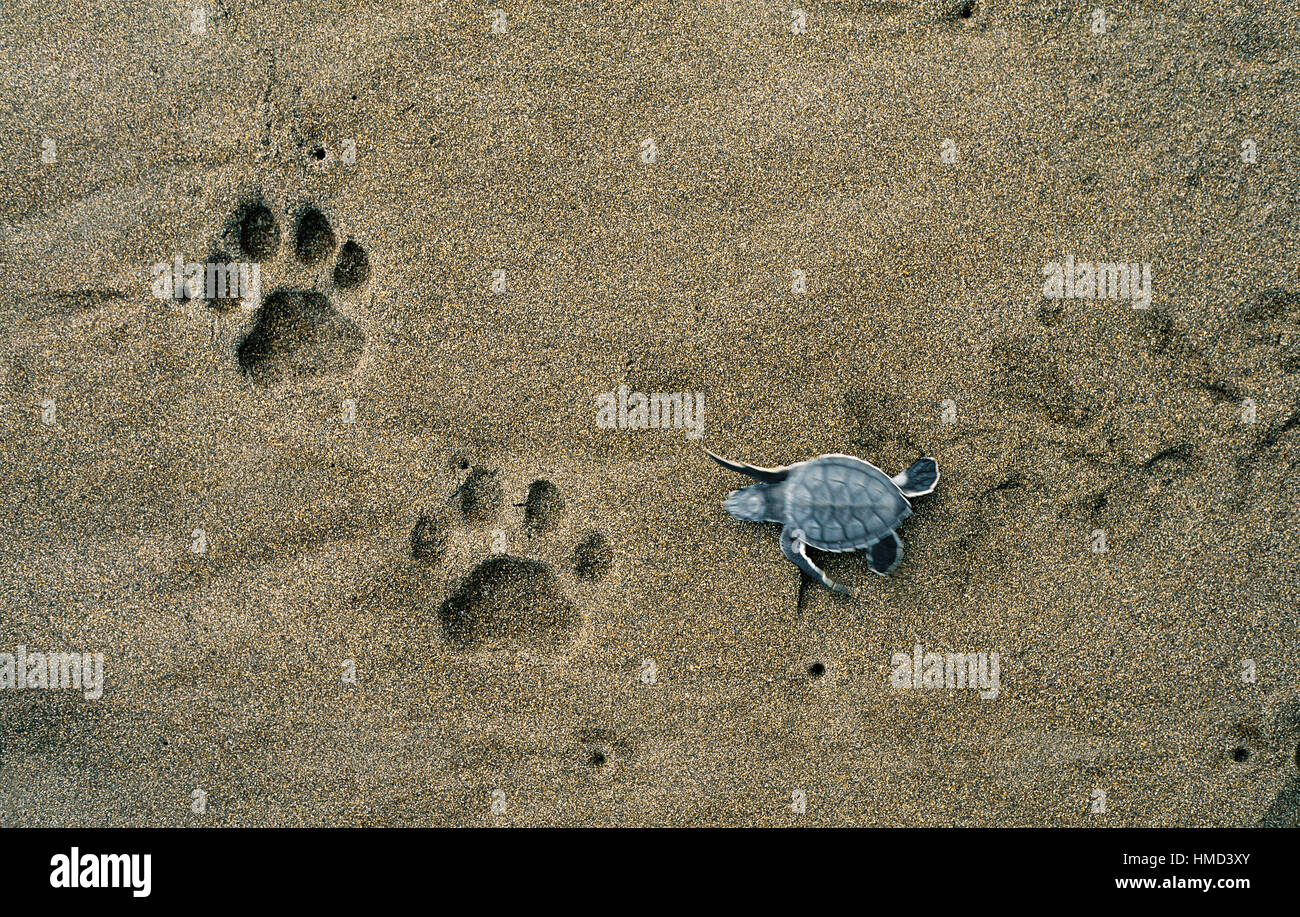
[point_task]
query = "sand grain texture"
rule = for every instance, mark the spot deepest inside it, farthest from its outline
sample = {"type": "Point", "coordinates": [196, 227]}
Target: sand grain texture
{"type": "Point", "coordinates": [521, 152]}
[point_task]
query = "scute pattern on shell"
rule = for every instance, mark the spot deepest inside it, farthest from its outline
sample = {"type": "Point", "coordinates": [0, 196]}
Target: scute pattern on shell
{"type": "Point", "coordinates": [843, 504]}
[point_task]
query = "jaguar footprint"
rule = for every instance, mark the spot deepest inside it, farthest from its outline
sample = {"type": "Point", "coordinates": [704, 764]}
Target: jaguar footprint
{"type": "Point", "coordinates": [300, 332]}
{"type": "Point", "coordinates": [509, 599]}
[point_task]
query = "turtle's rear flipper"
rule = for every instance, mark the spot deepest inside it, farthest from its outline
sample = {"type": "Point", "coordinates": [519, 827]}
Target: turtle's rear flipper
{"type": "Point", "coordinates": [766, 475]}
{"type": "Point", "coordinates": [919, 479]}
{"type": "Point", "coordinates": [886, 554]}
{"type": "Point", "coordinates": [794, 548]}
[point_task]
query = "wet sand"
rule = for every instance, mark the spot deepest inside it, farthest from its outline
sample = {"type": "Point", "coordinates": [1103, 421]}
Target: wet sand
{"type": "Point", "coordinates": [675, 670]}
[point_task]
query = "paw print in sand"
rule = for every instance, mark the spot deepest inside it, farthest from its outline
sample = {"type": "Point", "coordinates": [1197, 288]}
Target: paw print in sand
{"type": "Point", "coordinates": [510, 599]}
{"type": "Point", "coordinates": [299, 332]}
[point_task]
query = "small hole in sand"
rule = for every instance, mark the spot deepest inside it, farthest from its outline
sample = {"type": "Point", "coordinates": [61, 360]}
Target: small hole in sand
{"type": "Point", "coordinates": [597, 758]}
{"type": "Point", "coordinates": [318, 152]}
{"type": "Point", "coordinates": [966, 9]}
{"type": "Point", "coordinates": [817, 669]}
{"type": "Point", "coordinates": [1240, 754]}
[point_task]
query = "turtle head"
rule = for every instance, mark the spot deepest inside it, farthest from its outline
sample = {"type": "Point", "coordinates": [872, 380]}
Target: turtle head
{"type": "Point", "coordinates": [756, 503]}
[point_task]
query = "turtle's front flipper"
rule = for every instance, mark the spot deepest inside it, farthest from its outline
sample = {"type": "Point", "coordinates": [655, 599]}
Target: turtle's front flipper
{"type": "Point", "coordinates": [793, 547]}
{"type": "Point", "coordinates": [766, 475]}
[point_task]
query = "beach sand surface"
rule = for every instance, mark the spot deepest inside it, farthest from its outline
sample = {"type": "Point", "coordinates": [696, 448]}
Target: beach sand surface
{"type": "Point", "coordinates": [836, 237]}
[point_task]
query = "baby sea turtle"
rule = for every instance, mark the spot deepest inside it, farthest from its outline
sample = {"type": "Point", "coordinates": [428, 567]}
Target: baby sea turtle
{"type": "Point", "coordinates": [834, 503]}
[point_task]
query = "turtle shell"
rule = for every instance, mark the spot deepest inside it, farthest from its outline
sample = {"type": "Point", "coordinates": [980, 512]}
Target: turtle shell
{"type": "Point", "coordinates": [842, 503]}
